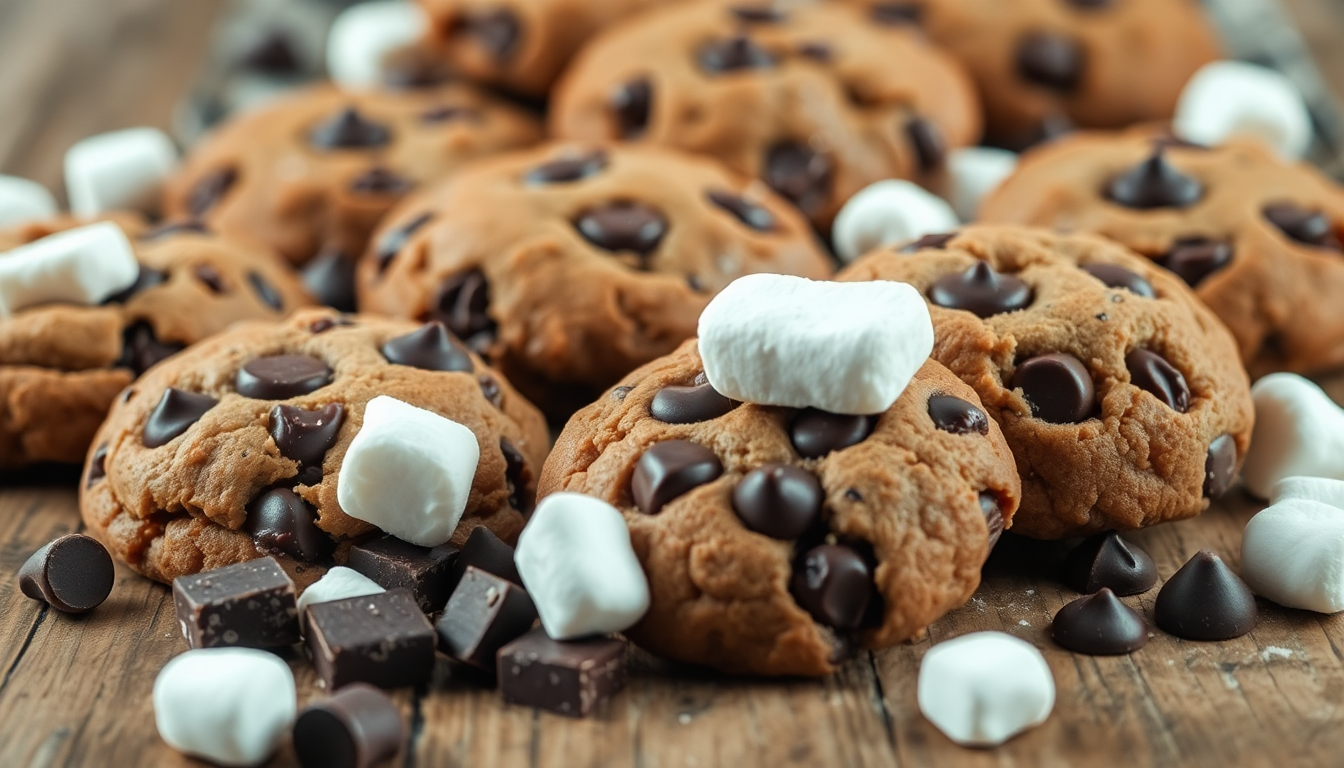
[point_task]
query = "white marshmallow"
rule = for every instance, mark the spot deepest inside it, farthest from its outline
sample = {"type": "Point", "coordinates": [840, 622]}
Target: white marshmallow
{"type": "Point", "coordinates": [82, 266]}
{"type": "Point", "coordinates": [1319, 489]}
{"type": "Point", "coordinates": [974, 172]}
{"type": "Point", "coordinates": [232, 706]}
{"type": "Point", "coordinates": [886, 213]}
{"type": "Point", "coordinates": [1234, 98]}
{"type": "Point", "coordinates": [984, 688]}
{"type": "Point", "coordinates": [338, 584]}
{"type": "Point", "coordinates": [848, 348]}
{"type": "Point", "coordinates": [363, 34]}
{"type": "Point", "coordinates": [1298, 431]}
{"type": "Point", "coordinates": [123, 169]}
{"type": "Point", "coordinates": [22, 200]}
{"type": "Point", "coordinates": [579, 567]}
{"type": "Point", "coordinates": [1293, 553]}
{"type": "Point", "coordinates": [408, 471]}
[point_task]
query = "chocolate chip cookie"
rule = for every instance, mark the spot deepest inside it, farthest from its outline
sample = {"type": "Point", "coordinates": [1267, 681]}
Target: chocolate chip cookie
{"type": "Point", "coordinates": [815, 98]}
{"type": "Point", "coordinates": [311, 175]}
{"type": "Point", "coordinates": [1257, 237]}
{"type": "Point", "coordinates": [777, 541]}
{"type": "Point", "coordinates": [1120, 394]}
{"type": "Point", "coordinates": [232, 450]}
{"type": "Point", "coordinates": [569, 265]}
{"type": "Point", "coordinates": [62, 365]}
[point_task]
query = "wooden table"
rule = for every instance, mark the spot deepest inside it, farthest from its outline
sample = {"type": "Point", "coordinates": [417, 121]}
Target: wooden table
{"type": "Point", "coordinates": [76, 691]}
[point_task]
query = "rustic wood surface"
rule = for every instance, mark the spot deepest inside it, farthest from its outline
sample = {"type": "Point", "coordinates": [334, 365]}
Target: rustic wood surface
{"type": "Point", "coordinates": [76, 691]}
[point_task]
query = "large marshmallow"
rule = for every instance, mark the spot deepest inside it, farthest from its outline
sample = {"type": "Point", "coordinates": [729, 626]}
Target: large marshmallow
{"type": "Point", "coordinates": [985, 688]}
{"type": "Point", "coordinates": [1234, 98]}
{"type": "Point", "coordinates": [887, 213]}
{"type": "Point", "coordinates": [1320, 489]}
{"type": "Point", "coordinates": [22, 200]}
{"type": "Point", "coordinates": [363, 34]}
{"type": "Point", "coordinates": [580, 569]}
{"type": "Point", "coordinates": [232, 706]}
{"type": "Point", "coordinates": [1293, 553]}
{"type": "Point", "coordinates": [123, 169]}
{"type": "Point", "coordinates": [1298, 431]}
{"type": "Point", "coordinates": [847, 348]}
{"type": "Point", "coordinates": [80, 266]}
{"type": "Point", "coordinates": [408, 471]}
{"type": "Point", "coordinates": [338, 584]}
{"type": "Point", "coordinates": [973, 173]}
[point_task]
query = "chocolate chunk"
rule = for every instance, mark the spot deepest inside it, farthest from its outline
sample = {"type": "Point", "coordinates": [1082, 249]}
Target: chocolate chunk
{"type": "Point", "coordinates": [989, 507]}
{"type": "Point", "coordinates": [515, 464]}
{"type": "Point", "coordinates": [1050, 60]}
{"type": "Point", "coordinates": [732, 54]}
{"type": "Point", "coordinates": [210, 278]}
{"type": "Point", "coordinates": [1195, 258]}
{"type": "Point", "coordinates": [1303, 225]}
{"type": "Point", "coordinates": [358, 727]}
{"type": "Point", "coordinates": [568, 169]}
{"type": "Point", "coordinates": [1058, 387]}
{"type": "Point", "coordinates": [1099, 625]}
{"type": "Point", "coordinates": [689, 405]}
{"type": "Point", "coordinates": [265, 291]}
{"type": "Point", "coordinates": [97, 466]}
{"type": "Point", "coordinates": [206, 193]}
{"type": "Point", "coordinates": [1220, 467]}
{"type": "Point", "coordinates": [306, 436]}
{"type": "Point", "coordinates": [348, 129]}
{"type": "Point", "coordinates": [670, 469]}
{"type": "Point", "coordinates": [952, 414]}
{"type": "Point", "coordinates": [484, 613]}
{"type": "Point", "coordinates": [568, 678]}
{"type": "Point", "coordinates": [747, 212]}
{"type": "Point", "coordinates": [249, 604]}
{"type": "Point", "coordinates": [800, 174]}
{"type": "Point", "coordinates": [1151, 372]}
{"type": "Point", "coordinates": [426, 572]}
{"type": "Point", "coordinates": [817, 51]}
{"type": "Point", "coordinates": [486, 552]}
{"type": "Point", "coordinates": [172, 228]}
{"type": "Point", "coordinates": [630, 104]}
{"type": "Point", "coordinates": [757, 14]}
{"type": "Point", "coordinates": [779, 501]}
{"type": "Point", "coordinates": [834, 583]}
{"type": "Point", "coordinates": [392, 243]}
{"type": "Point", "coordinates": [623, 225]}
{"type": "Point", "coordinates": [1108, 561]}
{"type": "Point", "coordinates": [382, 640]}
{"type": "Point", "coordinates": [936, 241]}
{"type": "Point", "coordinates": [72, 574]}
{"type": "Point", "coordinates": [175, 413]}
{"type": "Point", "coordinates": [283, 523]}
{"type": "Point", "coordinates": [981, 291]}
{"type": "Point", "coordinates": [330, 278]}
{"type": "Point", "coordinates": [1113, 276]}
{"type": "Point", "coordinates": [380, 181]}
{"type": "Point", "coordinates": [496, 30]}
{"type": "Point", "coordinates": [431, 348]}
{"type": "Point", "coordinates": [897, 13]}
{"type": "Point", "coordinates": [142, 350]}
{"type": "Point", "coordinates": [1154, 183]}
{"type": "Point", "coordinates": [273, 54]}
{"type": "Point", "coordinates": [463, 304]}
{"type": "Point", "coordinates": [145, 279]}
{"type": "Point", "coordinates": [1205, 600]}
{"type": "Point", "coordinates": [928, 142]}
{"type": "Point", "coordinates": [491, 390]}
{"type": "Point", "coordinates": [280, 377]}
{"type": "Point", "coordinates": [816, 433]}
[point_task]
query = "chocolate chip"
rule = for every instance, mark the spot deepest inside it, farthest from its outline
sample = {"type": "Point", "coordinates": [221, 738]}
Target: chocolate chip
{"type": "Point", "coordinates": [747, 212]}
{"type": "Point", "coordinates": [1047, 129]}
{"type": "Point", "coordinates": [779, 501]}
{"type": "Point", "coordinates": [358, 727]}
{"type": "Point", "coordinates": [484, 550]}
{"type": "Point", "coordinates": [210, 277]}
{"type": "Point", "coordinates": [280, 377]}
{"type": "Point", "coordinates": [689, 405]}
{"type": "Point", "coordinates": [1154, 183]}
{"type": "Point", "coordinates": [431, 348]}
{"type": "Point", "coordinates": [206, 193]}
{"type": "Point", "coordinates": [800, 174]}
{"type": "Point", "coordinates": [145, 279]}
{"type": "Point", "coordinates": [1099, 625]}
{"type": "Point", "coordinates": [265, 291]}
{"type": "Point", "coordinates": [897, 13]}
{"type": "Point", "coordinates": [757, 14]}
{"type": "Point", "coordinates": [463, 304]}
{"type": "Point", "coordinates": [1050, 60]}
{"type": "Point", "coordinates": [630, 104]}
{"type": "Point", "coordinates": [1151, 372]}
{"type": "Point", "coordinates": [1303, 225]}
{"type": "Point", "coordinates": [928, 142]}
{"type": "Point", "coordinates": [491, 389]}
{"type": "Point", "coordinates": [1195, 258]}
{"type": "Point", "coordinates": [1058, 388]}
{"type": "Point", "coordinates": [952, 414]}
{"type": "Point", "coordinates": [1204, 600]}
{"type": "Point", "coordinates": [72, 574]}
{"type": "Point", "coordinates": [732, 54]}
{"type": "Point", "coordinates": [445, 113]}
{"type": "Point", "coordinates": [1108, 561]}
{"type": "Point", "coordinates": [981, 291]}
{"type": "Point", "coordinates": [1220, 467]}
{"type": "Point", "coordinates": [380, 181]}
{"type": "Point", "coordinates": [623, 226]}
{"type": "Point", "coordinates": [97, 466]}
{"type": "Point", "coordinates": [324, 324]}
{"type": "Point", "coordinates": [669, 469]}
{"type": "Point", "coordinates": [817, 433]}
{"type": "Point", "coordinates": [936, 241]}
{"type": "Point", "coordinates": [348, 129]}
{"type": "Point", "coordinates": [834, 584]}
{"type": "Point", "coordinates": [172, 228]}
{"type": "Point", "coordinates": [568, 169]}
{"type": "Point", "coordinates": [989, 507]}
{"type": "Point", "coordinates": [283, 523]}
{"type": "Point", "coordinates": [306, 436]}
{"type": "Point", "coordinates": [142, 350]}
{"type": "Point", "coordinates": [817, 51]}
{"type": "Point", "coordinates": [515, 464]}
{"type": "Point", "coordinates": [176, 412]}
{"type": "Point", "coordinates": [392, 243]}
{"type": "Point", "coordinates": [1113, 276]}
{"type": "Point", "coordinates": [496, 30]}
{"type": "Point", "coordinates": [273, 54]}
{"type": "Point", "coordinates": [330, 278]}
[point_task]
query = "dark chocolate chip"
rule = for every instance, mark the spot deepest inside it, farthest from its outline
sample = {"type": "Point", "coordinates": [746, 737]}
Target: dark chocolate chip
{"type": "Point", "coordinates": [800, 174]}
{"type": "Point", "coordinates": [1205, 600]}
{"type": "Point", "coordinates": [1050, 60]}
{"type": "Point", "coordinates": [1220, 467]}
{"type": "Point", "coordinates": [1058, 387]}
{"type": "Point", "coordinates": [265, 291]}
{"type": "Point", "coordinates": [747, 212]}
{"type": "Point", "coordinates": [484, 614]}
{"type": "Point", "coordinates": [491, 390]}
{"type": "Point", "coordinates": [779, 501]}
{"type": "Point", "coordinates": [176, 412]}
{"type": "Point", "coordinates": [306, 436]}
{"type": "Point", "coordinates": [817, 433]}
{"type": "Point", "coordinates": [206, 193]}
{"type": "Point", "coordinates": [569, 678]}
{"type": "Point", "coordinates": [431, 348]}
{"type": "Point", "coordinates": [383, 640]}
{"type": "Point", "coordinates": [668, 470]}
{"type": "Point", "coordinates": [250, 604]}
{"type": "Point", "coordinates": [445, 113]}
{"type": "Point", "coordinates": [630, 104]}
{"type": "Point", "coordinates": [496, 30]}
{"type": "Point", "coordinates": [142, 350]}
{"type": "Point", "coordinates": [72, 574]}
{"type": "Point", "coordinates": [928, 142]}
{"type": "Point", "coordinates": [380, 181]}
{"type": "Point", "coordinates": [358, 727]}
{"type": "Point", "coordinates": [1113, 276]}
{"type": "Point", "coordinates": [280, 377]}
{"type": "Point", "coordinates": [145, 279]}
{"type": "Point", "coordinates": [1154, 183]}
{"type": "Point", "coordinates": [817, 51]}
{"type": "Point", "coordinates": [732, 54]}
{"type": "Point", "coordinates": [834, 584]}
{"type": "Point", "coordinates": [937, 241]}
{"type": "Point", "coordinates": [989, 507]}
{"type": "Point", "coordinates": [283, 523]}
{"type": "Point", "coordinates": [348, 129]}
{"type": "Point", "coordinates": [392, 243]}
{"type": "Point", "coordinates": [210, 277]}
{"type": "Point", "coordinates": [757, 14]}
{"type": "Point", "coordinates": [273, 54]}
{"type": "Point", "coordinates": [1108, 561]}
{"type": "Point", "coordinates": [1151, 372]}
{"type": "Point", "coordinates": [1195, 258]}
{"type": "Point", "coordinates": [97, 466]}
{"type": "Point", "coordinates": [324, 324]}
{"type": "Point", "coordinates": [1099, 625]}
{"type": "Point", "coordinates": [395, 564]}
{"type": "Point", "coordinates": [568, 169]}
{"type": "Point", "coordinates": [897, 13]}
{"type": "Point", "coordinates": [623, 225]}
{"type": "Point", "coordinates": [1049, 128]}
{"type": "Point", "coordinates": [515, 464]}
{"type": "Point", "coordinates": [981, 291]}
{"type": "Point", "coordinates": [1303, 225]}
{"type": "Point", "coordinates": [952, 414]}
{"type": "Point", "coordinates": [689, 405]}
{"type": "Point", "coordinates": [330, 278]}
{"type": "Point", "coordinates": [463, 304]}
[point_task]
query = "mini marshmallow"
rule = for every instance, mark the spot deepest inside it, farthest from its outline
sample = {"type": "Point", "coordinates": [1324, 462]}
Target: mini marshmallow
{"type": "Point", "coordinates": [580, 569]}
{"type": "Point", "coordinates": [338, 584]}
{"type": "Point", "coordinates": [22, 200]}
{"type": "Point", "coordinates": [974, 172]}
{"type": "Point", "coordinates": [848, 348]}
{"type": "Point", "coordinates": [80, 266]}
{"type": "Point", "coordinates": [1293, 553]}
{"type": "Point", "coordinates": [363, 34]}
{"type": "Point", "coordinates": [1234, 98]}
{"type": "Point", "coordinates": [232, 706]}
{"type": "Point", "coordinates": [123, 169]}
{"type": "Point", "coordinates": [1319, 489]}
{"type": "Point", "coordinates": [1298, 431]}
{"type": "Point", "coordinates": [408, 471]}
{"type": "Point", "coordinates": [984, 688]}
{"type": "Point", "coordinates": [887, 213]}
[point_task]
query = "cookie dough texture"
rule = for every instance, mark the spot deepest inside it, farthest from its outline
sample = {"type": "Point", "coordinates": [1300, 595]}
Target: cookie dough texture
{"type": "Point", "coordinates": [1135, 462]}
{"type": "Point", "coordinates": [62, 365]}
{"type": "Point", "coordinates": [816, 98]}
{"type": "Point", "coordinates": [720, 592]}
{"type": "Point", "coordinates": [1278, 296]}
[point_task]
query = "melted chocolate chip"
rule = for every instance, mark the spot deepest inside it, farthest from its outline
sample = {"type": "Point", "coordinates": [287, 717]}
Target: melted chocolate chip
{"type": "Point", "coordinates": [1113, 276]}
{"type": "Point", "coordinates": [515, 464]}
{"type": "Point", "coordinates": [206, 193]}
{"type": "Point", "coordinates": [952, 414]}
{"type": "Point", "coordinates": [936, 241]}
{"type": "Point", "coordinates": [282, 522]}
{"type": "Point", "coordinates": [380, 181]}
{"type": "Point", "coordinates": [928, 142]}
{"type": "Point", "coordinates": [265, 291]}
{"type": "Point", "coordinates": [431, 348]}
{"type": "Point", "coordinates": [981, 291]}
{"type": "Point", "coordinates": [463, 304]}
{"type": "Point", "coordinates": [1154, 183]}
{"type": "Point", "coordinates": [97, 466]}
{"type": "Point", "coordinates": [1099, 625]}
{"type": "Point", "coordinates": [348, 129]}
{"type": "Point", "coordinates": [817, 433]}
{"type": "Point", "coordinates": [1050, 60]}
{"type": "Point", "coordinates": [989, 507]}
{"type": "Point", "coordinates": [330, 278]}
{"type": "Point", "coordinates": [176, 412]}
{"type": "Point", "coordinates": [145, 279]}
{"type": "Point", "coordinates": [1058, 388]}
{"type": "Point", "coordinates": [1220, 467]}
{"type": "Point", "coordinates": [1303, 225]}
{"type": "Point", "coordinates": [630, 104]}
{"type": "Point", "coordinates": [779, 501]}
{"type": "Point", "coordinates": [800, 174]}
{"type": "Point", "coordinates": [1204, 600]}
{"type": "Point", "coordinates": [732, 54]}
{"type": "Point", "coordinates": [392, 243]}
{"type": "Point", "coordinates": [568, 169]}
{"type": "Point", "coordinates": [496, 30]}
{"type": "Point", "coordinates": [1151, 372]}
{"type": "Point", "coordinates": [834, 584]}
{"type": "Point", "coordinates": [689, 405]}
{"type": "Point", "coordinates": [623, 226]}
{"type": "Point", "coordinates": [142, 350]}
{"type": "Point", "coordinates": [1195, 258]}
{"type": "Point", "coordinates": [747, 212]}
{"type": "Point", "coordinates": [306, 436]}
{"type": "Point", "coordinates": [280, 377]}
{"type": "Point", "coordinates": [668, 470]}
{"type": "Point", "coordinates": [1108, 561]}
{"type": "Point", "coordinates": [897, 13]}
{"type": "Point", "coordinates": [209, 277]}
{"type": "Point", "coordinates": [491, 390]}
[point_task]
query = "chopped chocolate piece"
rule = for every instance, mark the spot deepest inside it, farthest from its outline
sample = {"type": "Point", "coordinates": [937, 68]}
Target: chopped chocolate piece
{"type": "Point", "coordinates": [1205, 600]}
{"type": "Point", "coordinates": [175, 414]}
{"type": "Point", "coordinates": [1099, 625]}
{"type": "Point", "coordinates": [426, 571]}
{"type": "Point", "coordinates": [249, 604]}
{"type": "Point", "coordinates": [72, 574]}
{"type": "Point", "coordinates": [359, 727]}
{"type": "Point", "coordinates": [1106, 561]}
{"type": "Point", "coordinates": [569, 678]}
{"type": "Point", "coordinates": [484, 613]}
{"type": "Point", "coordinates": [383, 640]}
{"type": "Point", "coordinates": [486, 551]}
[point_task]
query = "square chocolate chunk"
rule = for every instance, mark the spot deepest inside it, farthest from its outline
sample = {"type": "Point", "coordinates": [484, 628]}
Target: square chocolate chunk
{"type": "Point", "coordinates": [487, 552]}
{"type": "Point", "coordinates": [393, 563]}
{"type": "Point", "coordinates": [568, 678]}
{"type": "Point", "coordinates": [484, 613]}
{"type": "Point", "coordinates": [383, 640]}
{"type": "Point", "coordinates": [249, 604]}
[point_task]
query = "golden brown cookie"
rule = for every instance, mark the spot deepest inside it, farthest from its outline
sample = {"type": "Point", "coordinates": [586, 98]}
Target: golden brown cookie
{"type": "Point", "coordinates": [268, 410]}
{"type": "Point", "coordinates": [1120, 394]}
{"type": "Point", "coordinates": [570, 265]}
{"type": "Point", "coordinates": [814, 98]}
{"type": "Point", "coordinates": [62, 365]}
{"type": "Point", "coordinates": [778, 541]}
{"type": "Point", "coordinates": [1258, 237]}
